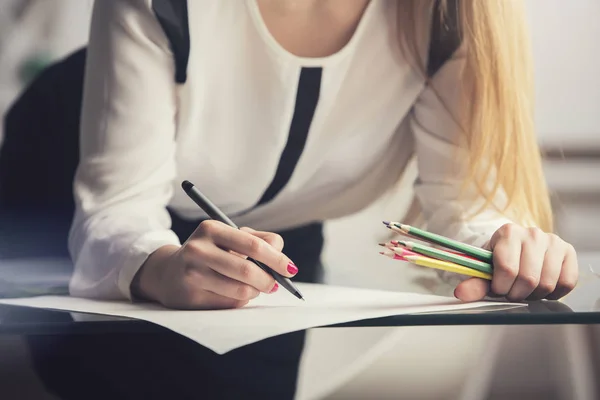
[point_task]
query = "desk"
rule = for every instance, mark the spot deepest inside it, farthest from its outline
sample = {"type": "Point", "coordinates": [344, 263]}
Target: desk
{"type": "Point", "coordinates": [582, 306]}
{"type": "Point", "coordinates": [52, 329]}
{"type": "Point", "coordinates": [55, 335]}
{"type": "Point", "coordinates": [45, 234]}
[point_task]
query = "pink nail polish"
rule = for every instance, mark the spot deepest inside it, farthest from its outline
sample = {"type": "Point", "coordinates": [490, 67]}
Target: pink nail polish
{"type": "Point", "coordinates": [274, 288]}
{"type": "Point", "coordinates": [292, 269]}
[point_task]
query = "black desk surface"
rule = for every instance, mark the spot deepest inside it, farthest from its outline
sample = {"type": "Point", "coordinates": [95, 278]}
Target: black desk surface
{"type": "Point", "coordinates": [47, 271]}
{"type": "Point", "coordinates": [582, 306]}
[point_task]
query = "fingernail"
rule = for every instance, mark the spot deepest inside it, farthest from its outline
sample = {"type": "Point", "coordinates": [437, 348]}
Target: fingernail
{"type": "Point", "coordinates": [274, 288]}
{"type": "Point", "coordinates": [292, 269]}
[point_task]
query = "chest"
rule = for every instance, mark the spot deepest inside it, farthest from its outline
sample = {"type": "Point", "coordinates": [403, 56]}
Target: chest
{"type": "Point", "coordinates": [247, 103]}
{"type": "Point", "coordinates": [311, 28]}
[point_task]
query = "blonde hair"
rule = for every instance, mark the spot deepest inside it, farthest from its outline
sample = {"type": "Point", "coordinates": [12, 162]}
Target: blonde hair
{"type": "Point", "coordinates": [497, 120]}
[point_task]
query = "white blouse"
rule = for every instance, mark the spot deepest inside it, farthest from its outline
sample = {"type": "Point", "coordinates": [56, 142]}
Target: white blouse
{"type": "Point", "coordinates": [357, 116]}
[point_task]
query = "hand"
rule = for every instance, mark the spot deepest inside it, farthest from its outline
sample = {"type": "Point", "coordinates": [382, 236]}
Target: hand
{"type": "Point", "coordinates": [528, 265]}
{"type": "Point", "coordinates": [210, 270]}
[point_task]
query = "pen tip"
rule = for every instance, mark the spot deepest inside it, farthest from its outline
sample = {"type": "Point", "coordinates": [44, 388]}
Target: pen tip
{"type": "Point", "coordinates": [187, 185]}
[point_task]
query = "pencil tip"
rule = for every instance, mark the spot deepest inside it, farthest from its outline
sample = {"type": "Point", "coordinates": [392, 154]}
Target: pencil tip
{"type": "Point", "coordinates": [187, 185]}
{"type": "Point", "coordinates": [386, 222]}
{"type": "Point", "coordinates": [297, 293]}
{"type": "Point", "coordinates": [382, 244]}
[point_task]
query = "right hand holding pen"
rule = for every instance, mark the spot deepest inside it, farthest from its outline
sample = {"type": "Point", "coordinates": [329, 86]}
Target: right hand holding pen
{"type": "Point", "coordinates": [210, 270]}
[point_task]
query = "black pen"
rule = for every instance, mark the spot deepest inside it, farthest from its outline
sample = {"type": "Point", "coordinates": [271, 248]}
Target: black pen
{"type": "Point", "coordinates": [213, 212]}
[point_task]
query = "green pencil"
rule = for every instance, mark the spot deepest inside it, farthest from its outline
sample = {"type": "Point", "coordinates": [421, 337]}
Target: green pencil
{"type": "Point", "coordinates": [446, 256]}
{"type": "Point", "coordinates": [475, 252]}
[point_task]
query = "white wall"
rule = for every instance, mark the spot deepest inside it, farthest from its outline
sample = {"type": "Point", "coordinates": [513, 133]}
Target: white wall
{"type": "Point", "coordinates": [566, 47]}
{"type": "Point", "coordinates": [48, 28]}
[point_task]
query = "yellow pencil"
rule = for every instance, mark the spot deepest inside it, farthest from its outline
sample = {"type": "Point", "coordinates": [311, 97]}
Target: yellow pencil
{"type": "Point", "coordinates": [446, 266]}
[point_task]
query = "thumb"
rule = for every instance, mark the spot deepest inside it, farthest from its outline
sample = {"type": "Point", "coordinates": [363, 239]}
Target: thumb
{"type": "Point", "coordinates": [472, 289]}
{"type": "Point", "coordinates": [272, 238]}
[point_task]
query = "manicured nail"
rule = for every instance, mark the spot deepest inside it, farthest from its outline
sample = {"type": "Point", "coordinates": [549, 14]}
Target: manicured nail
{"type": "Point", "coordinates": [292, 269]}
{"type": "Point", "coordinates": [274, 288]}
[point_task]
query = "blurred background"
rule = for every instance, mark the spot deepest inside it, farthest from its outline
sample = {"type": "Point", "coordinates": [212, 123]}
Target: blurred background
{"type": "Point", "coordinates": [386, 363]}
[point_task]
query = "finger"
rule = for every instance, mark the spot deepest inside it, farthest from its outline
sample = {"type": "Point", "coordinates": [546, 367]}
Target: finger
{"type": "Point", "coordinates": [234, 267]}
{"type": "Point", "coordinates": [213, 301]}
{"type": "Point", "coordinates": [569, 275]}
{"type": "Point", "coordinates": [214, 282]}
{"type": "Point", "coordinates": [191, 296]}
{"type": "Point", "coordinates": [506, 248]}
{"type": "Point", "coordinates": [273, 239]}
{"type": "Point", "coordinates": [208, 300]}
{"type": "Point", "coordinates": [533, 252]}
{"type": "Point", "coordinates": [504, 232]}
{"type": "Point", "coordinates": [551, 269]}
{"type": "Point", "coordinates": [249, 245]}
{"type": "Point", "coordinates": [472, 289]}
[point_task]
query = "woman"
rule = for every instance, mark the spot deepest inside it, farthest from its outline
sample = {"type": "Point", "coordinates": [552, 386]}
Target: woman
{"type": "Point", "coordinates": [294, 113]}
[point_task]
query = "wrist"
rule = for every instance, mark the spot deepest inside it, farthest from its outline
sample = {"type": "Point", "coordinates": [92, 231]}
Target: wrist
{"type": "Point", "coordinates": [147, 281]}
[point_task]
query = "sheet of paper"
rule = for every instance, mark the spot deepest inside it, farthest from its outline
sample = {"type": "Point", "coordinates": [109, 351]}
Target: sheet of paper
{"type": "Point", "coordinates": [266, 316]}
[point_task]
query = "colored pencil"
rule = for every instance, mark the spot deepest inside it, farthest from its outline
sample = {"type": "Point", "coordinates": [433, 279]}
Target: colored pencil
{"type": "Point", "coordinates": [394, 229]}
{"type": "Point", "coordinates": [396, 243]}
{"type": "Point", "coordinates": [446, 266]}
{"type": "Point", "coordinates": [394, 255]}
{"type": "Point", "coordinates": [436, 264]}
{"type": "Point", "coordinates": [399, 252]}
{"type": "Point", "coordinates": [447, 256]}
{"type": "Point", "coordinates": [476, 252]}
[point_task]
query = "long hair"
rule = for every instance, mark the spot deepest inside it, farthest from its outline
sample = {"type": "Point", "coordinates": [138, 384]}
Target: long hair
{"type": "Point", "coordinates": [498, 113]}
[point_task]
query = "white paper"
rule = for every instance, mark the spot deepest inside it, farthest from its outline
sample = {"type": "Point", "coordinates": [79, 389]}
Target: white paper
{"type": "Point", "coordinates": [267, 315]}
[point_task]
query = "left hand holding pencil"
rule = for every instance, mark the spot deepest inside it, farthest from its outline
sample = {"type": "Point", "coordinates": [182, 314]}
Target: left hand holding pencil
{"type": "Point", "coordinates": [528, 265]}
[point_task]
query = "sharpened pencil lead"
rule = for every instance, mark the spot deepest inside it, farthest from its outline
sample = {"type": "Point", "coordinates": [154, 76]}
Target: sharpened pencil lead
{"type": "Point", "coordinates": [386, 222]}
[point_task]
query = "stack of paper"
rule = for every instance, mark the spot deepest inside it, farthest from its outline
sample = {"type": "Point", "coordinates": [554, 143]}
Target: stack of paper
{"type": "Point", "coordinates": [266, 316]}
